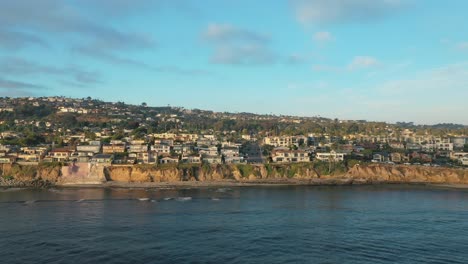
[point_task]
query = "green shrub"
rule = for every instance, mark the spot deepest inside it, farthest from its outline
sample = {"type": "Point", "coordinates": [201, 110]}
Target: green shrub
{"type": "Point", "coordinates": [245, 170]}
{"type": "Point", "coordinates": [8, 177]}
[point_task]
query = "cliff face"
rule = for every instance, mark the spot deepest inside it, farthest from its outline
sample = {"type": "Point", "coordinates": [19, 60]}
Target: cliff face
{"type": "Point", "coordinates": [167, 174]}
{"type": "Point", "coordinates": [408, 174]}
{"type": "Point", "coordinates": [85, 173]}
{"type": "Point", "coordinates": [209, 173]}
{"type": "Point", "coordinates": [28, 176]}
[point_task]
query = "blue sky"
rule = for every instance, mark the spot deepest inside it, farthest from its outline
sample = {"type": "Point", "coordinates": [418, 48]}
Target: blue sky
{"type": "Point", "coordinates": [384, 60]}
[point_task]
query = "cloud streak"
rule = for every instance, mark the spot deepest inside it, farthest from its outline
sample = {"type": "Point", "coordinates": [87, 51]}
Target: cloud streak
{"type": "Point", "coordinates": [13, 40]}
{"type": "Point", "coordinates": [236, 46]}
{"type": "Point", "coordinates": [57, 18]}
{"type": "Point", "coordinates": [343, 11]}
{"type": "Point", "coordinates": [20, 67]}
{"type": "Point", "coordinates": [16, 88]}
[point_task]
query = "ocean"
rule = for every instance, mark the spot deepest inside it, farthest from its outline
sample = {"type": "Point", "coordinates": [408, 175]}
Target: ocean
{"type": "Point", "coordinates": [280, 224]}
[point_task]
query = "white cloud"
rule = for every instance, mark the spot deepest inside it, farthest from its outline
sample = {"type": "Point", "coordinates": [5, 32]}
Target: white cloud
{"type": "Point", "coordinates": [361, 62]}
{"type": "Point", "coordinates": [337, 11]}
{"type": "Point", "coordinates": [323, 36]}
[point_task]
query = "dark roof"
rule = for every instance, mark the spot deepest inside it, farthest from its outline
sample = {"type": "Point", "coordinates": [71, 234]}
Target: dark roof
{"type": "Point", "coordinates": [103, 156]}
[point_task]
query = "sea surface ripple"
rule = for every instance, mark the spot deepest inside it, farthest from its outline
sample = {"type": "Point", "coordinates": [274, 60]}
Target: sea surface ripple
{"type": "Point", "coordinates": [347, 224]}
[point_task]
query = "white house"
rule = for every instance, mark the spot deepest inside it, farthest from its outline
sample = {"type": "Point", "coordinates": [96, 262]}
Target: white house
{"type": "Point", "coordinates": [161, 148]}
{"type": "Point", "coordinates": [464, 161]}
{"type": "Point", "coordinates": [168, 160]}
{"type": "Point", "coordinates": [330, 156]}
{"type": "Point", "coordinates": [212, 159]}
{"type": "Point", "coordinates": [213, 150]}
{"type": "Point", "coordinates": [289, 156]}
{"type": "Point", "coordinates": [191, 159]}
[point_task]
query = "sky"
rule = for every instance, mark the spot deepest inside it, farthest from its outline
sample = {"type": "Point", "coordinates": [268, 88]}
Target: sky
{"type": "Point", "coordinates": [379, 60]}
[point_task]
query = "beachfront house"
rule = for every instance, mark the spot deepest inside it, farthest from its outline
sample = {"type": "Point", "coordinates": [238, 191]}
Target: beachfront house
{"type": "Point", "coordinates": [191, 159]}
{"type": "Point", "coordinates": [105, 159]}
{"type": "Point", "coordinates": [212, 159]}
{"type": "Point", "coordinates": [169, 160]}
{"type": "Point", "coordinates": [60, 154]}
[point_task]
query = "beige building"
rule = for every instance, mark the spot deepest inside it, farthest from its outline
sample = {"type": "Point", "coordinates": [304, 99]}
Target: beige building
{"type": "Point", "coordinates": [114, 148]}
{"type": "Point", "coordinates": [285, 141]}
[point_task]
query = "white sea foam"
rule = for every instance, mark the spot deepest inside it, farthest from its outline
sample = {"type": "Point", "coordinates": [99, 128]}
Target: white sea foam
{"type": "Point", "coordinates": [183, 199]}
{"type": "Point", "coordinates": [223, 190]}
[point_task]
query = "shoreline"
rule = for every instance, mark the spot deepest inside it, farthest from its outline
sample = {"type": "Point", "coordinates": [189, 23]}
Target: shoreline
{"type": "Point", "coordinates": [225, 184]}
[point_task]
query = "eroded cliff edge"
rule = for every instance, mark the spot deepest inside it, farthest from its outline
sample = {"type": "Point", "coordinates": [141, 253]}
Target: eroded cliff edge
{"type": "Point", "coordinates": [44, 175]}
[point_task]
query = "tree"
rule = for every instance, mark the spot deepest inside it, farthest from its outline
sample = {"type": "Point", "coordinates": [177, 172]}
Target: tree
{"type": "Point", "coordinates": [90, 135]}
{"type": "Point", "coordinates": [143, 104]}
{"type": "Point", "coordinates": [465, 148]}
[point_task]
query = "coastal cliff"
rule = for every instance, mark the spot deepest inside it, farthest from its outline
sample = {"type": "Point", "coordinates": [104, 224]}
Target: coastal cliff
{"type": "Point", "coordinates": [408, 174]}
{"type": "Point", "coordinates": [209, 173]}
{"type": "Point", "coordinates": [29, 175]}
{"type": "Point", "coordinates": [44, 175]}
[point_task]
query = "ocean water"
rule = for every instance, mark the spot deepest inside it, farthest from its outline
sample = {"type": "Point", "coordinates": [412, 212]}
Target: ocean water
{"type": "Point", "coordinates": [348, 224]}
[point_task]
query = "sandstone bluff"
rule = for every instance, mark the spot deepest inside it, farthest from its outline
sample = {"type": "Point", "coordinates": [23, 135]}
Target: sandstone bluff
{"type": "Point", "coordinates": [89, 174]}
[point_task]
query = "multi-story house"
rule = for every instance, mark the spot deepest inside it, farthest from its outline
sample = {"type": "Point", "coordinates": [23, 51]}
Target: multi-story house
{"type": "Point", "coordinates": [105, 159]}
{"type": "Point", "coordinates": [289, 156]}
{"type": "Point", "coordinates": [330, 156]}
{"type": "Point", "coordinates": [60, 154]}
{"type": "Point", "coordinates": [140, 148]}
{"type": "Point", "coordinates": [213, 150]}
{"type": "Point", "coordinates": [89, 148]}
{"type": "Point", "coordinates": [212, 159]}
{"type": "Point", "coordinates": [285, 141]}
{"type": "Point", "coordinates": [168, 160]}
{"type": "Point", "coordinates": [113, 148]}
{"type": "Point", "coordinates": [161, 149]}
{"type": "Point", "coordinates": [398, 157]}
